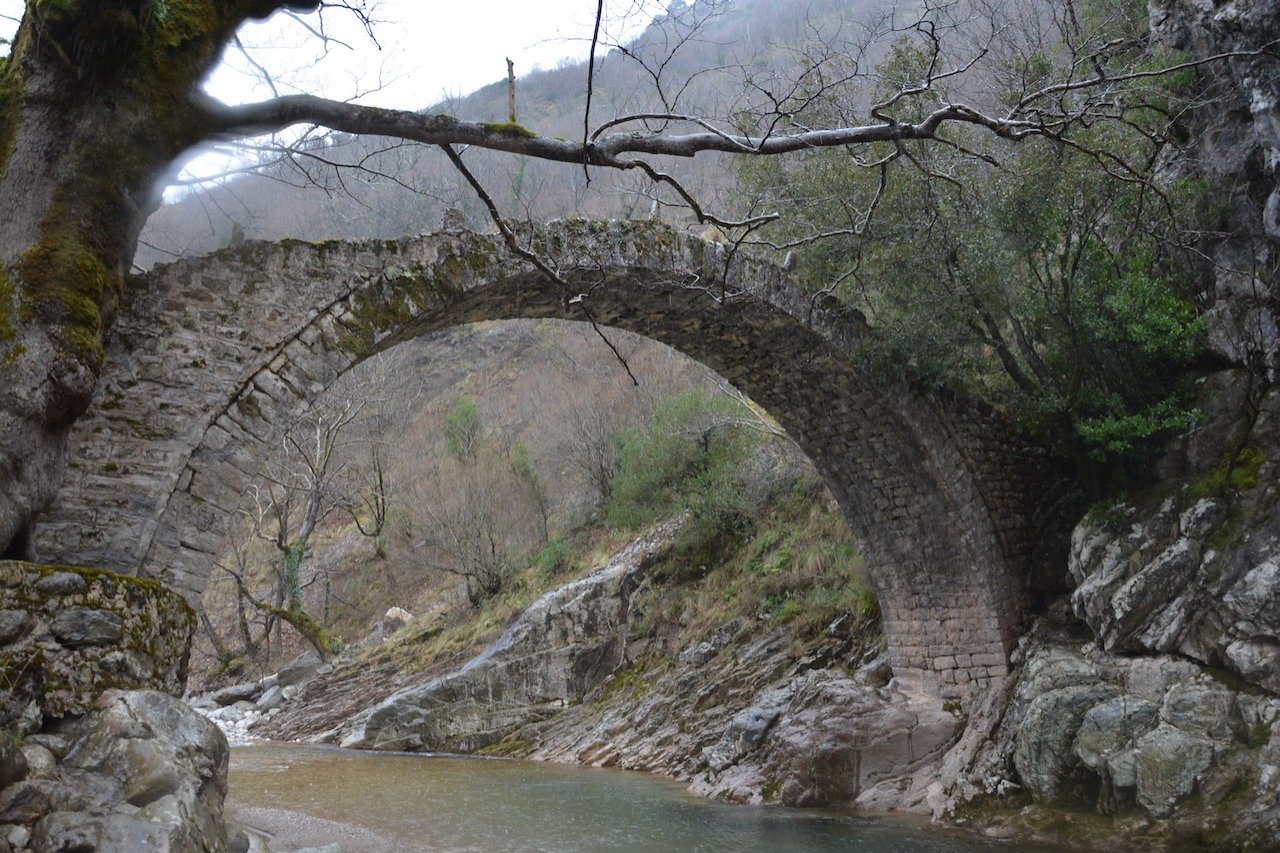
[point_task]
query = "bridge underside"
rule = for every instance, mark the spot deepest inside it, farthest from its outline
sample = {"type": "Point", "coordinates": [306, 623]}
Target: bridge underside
{"type": "Point", "coordinates": [213, 356]}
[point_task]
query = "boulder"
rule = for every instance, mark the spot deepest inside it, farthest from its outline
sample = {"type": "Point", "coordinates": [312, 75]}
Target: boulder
{"type": "Point", "coordinates": [824, 739]}
{"type": "Point", "coordinates": [299, 670]}
{"type": "Point", "coordinates": [272, 697]}
{"type": "Point", "coordinates": [395, 618]}
{"type": "Point", "coordinates": [876, 672]}
{"type": "Point", "coordinates": [1108, 729]}
{"type": "Point", "coordinates": [13, 624]}
{"type": "Point", "coordinates": [1202, 708]}
{"type": "Point", "coordinates": [1158, 735]}
{"type": "Point", "coordinates": [1044, 753]}
{"type": "Point", "coordinates": [1168, 763]}
{"type": "Point", "coordinates": [233, 693]}
{"type": "Point", "coordinates": [144, 772]}
{"type": "Point", "coordinates": [41, 763]}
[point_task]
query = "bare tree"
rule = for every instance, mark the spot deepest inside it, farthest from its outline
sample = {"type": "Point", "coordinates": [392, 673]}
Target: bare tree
{"type": "Point", "coordinates": [478, 522]}
{"type": "Point", "coordinates": [303, 485]}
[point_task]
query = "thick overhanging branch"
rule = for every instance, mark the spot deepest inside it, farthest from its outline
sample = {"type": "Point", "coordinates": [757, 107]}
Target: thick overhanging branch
{"type": "Point", "coordinates": [608, 151]}
{"type": "Point", "coordinates": [601, 148]}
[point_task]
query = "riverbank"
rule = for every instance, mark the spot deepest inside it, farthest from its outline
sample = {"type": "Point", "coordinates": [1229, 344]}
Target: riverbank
{"type": "Point", "coordinates": [1094, 748]}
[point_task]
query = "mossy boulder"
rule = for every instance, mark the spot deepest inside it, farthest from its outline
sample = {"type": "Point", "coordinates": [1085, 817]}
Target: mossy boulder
{"type": "Point", "coordinates": [69, 634]}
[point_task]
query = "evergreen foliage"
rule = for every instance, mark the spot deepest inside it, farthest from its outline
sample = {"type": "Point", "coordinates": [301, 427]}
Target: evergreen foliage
{"type": "Point", "coordinates": [1055, 279]}
{"type": "Point", "coordinates": [689, 457]}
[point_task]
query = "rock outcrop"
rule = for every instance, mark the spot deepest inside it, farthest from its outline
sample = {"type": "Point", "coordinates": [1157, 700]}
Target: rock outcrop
{"type": "Point", "coordinates": [1196, 572]}
{"type": "Point", "coordinates": [99, 754]}
{"type": "Point", "coordinates": [1236, 147]}
{"type": "Point", "coordinates": [823, 739]}
{"type": "Point", "coordinates": [1153, 735]}
{"type": "Point", "coordinates": [561, 648]}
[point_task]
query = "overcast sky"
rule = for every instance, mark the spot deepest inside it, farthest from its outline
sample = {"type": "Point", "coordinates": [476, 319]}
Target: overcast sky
{"type": "Point", "coordinates": [421, 52]}
{"type": "Point", "coordinates": [429, 50]}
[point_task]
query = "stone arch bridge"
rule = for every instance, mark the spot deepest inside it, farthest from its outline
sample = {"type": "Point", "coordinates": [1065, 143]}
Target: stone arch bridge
{"type": "Point", "coordinates": [211, 356]}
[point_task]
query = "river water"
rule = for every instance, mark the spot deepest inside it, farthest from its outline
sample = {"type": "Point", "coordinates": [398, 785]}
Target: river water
{"type": "Point", "coordinates": [313, 796]}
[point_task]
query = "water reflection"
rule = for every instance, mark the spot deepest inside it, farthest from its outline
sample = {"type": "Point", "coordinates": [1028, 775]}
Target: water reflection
{"type": "Point", "coordinates": [310, 795]}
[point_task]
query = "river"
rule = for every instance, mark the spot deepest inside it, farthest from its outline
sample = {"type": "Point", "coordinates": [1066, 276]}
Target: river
{"type": "Point", "coordinates": [313, 795]}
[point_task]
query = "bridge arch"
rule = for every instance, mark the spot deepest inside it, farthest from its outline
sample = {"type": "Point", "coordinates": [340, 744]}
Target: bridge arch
{"type": "Point", "coordinates": [212, 356]}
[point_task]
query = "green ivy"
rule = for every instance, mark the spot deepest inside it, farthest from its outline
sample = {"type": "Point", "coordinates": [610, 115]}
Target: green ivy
{"type": "Point", "coordinates": [293, 574]}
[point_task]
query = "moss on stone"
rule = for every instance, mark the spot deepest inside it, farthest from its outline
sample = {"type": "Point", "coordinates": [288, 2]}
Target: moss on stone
{"type": "Point", "coordinates": [248, 406]}
{"type": "Point", "coordinates": [64, 284]}
{"type": "Point", "coordinates": [10, 349]}
{"type": "Point", "coordinates": [376, 311]}
{"type": "Point", "coordinates": [10, 107]}
{"type": "Point", "coordinates": [511, 746]}
{"type": "Point", "coordinates": [148, 585]}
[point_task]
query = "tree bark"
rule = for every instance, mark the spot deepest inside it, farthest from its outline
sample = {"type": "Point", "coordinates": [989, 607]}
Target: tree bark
{"type": "Point", "coordinates": [94, 106]}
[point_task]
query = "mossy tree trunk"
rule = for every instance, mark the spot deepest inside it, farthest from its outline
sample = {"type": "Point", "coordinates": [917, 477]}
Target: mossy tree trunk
{"type": "Point", "coordinates": [94, 106]}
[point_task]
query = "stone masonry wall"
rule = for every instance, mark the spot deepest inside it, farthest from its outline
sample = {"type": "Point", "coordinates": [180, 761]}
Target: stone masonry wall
{"type": "Point", "coordinates": [212, 358]}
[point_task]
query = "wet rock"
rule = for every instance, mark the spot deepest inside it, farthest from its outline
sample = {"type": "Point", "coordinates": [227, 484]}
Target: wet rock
{"type": "Point", "coordinates": [299, 670]}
